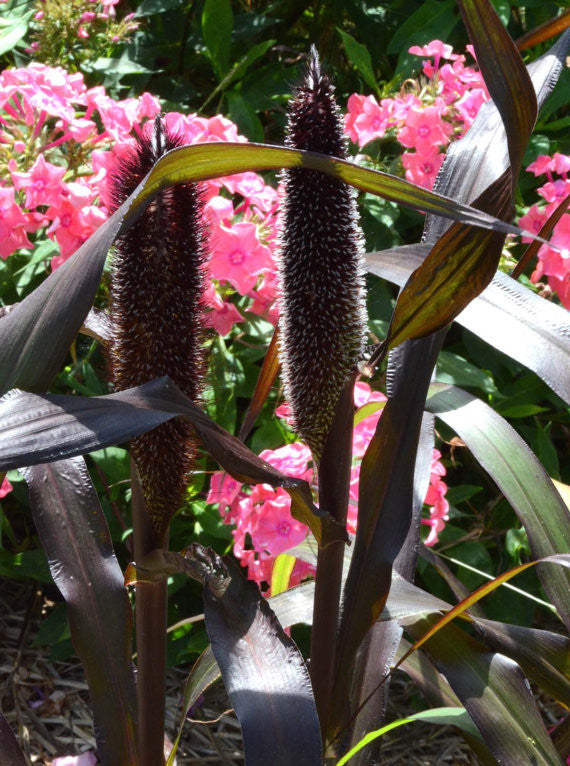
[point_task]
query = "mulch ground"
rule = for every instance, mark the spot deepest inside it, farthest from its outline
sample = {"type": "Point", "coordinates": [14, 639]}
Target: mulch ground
{"type": "Point", "coordinates": [47, 704]}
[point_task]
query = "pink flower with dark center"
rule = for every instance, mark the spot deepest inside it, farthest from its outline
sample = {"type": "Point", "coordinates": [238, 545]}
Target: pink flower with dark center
{"type": "Point", "coordinates": [238, 256]}
{"type": "Point", "coordinates": [425, 129]}
{"type": "Point", "coordinates": [422, 169]}
{"type": "Point", "coordinates": [42, 183]}
{"type": "Point", "coordinates": [276, 530]}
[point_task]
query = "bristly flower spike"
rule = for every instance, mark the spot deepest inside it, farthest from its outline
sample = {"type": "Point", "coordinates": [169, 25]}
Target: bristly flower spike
{"type": "Point", "coordinates": [321, 267]}
{"type": "Point", "coordinates": [157, 288]}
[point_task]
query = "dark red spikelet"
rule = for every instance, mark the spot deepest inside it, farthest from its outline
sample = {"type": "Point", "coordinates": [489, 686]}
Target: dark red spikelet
{"type": "Point", "coordinates": [321, 267]}
{"type": "Point", "coordinates": [156, 310]}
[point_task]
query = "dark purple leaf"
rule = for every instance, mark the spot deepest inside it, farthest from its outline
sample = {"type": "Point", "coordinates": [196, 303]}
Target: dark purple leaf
{"type": "Point", "coordinates": [10, 751]}
{"type": "Point", "coordinates": [519, 475]}
{"type": "Point", "coordinates": [507, 315]}
{"type": "Point", "coordinates": [40, 429]}
{"type": "Point", "coordinates": [496, 695]}
{"type": "Point", "coordinates": [76, 539]}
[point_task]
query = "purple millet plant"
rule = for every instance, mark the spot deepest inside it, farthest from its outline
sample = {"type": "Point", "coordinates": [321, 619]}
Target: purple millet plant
{"type": "Point", "coordinates": [157, 287]}
{"type": "Point", "coordinates": [321, 267]}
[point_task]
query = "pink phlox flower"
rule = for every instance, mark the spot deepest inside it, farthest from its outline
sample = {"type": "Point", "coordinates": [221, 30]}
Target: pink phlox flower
{"type": "Point", "coordinates": [82, 33]}
{"type": "Point", "coordinates": [118, 117]}
{"type": "Point", "coordinates": [42, 183]}
{"type": "Point", "coordinates": [471, 50]}
{"type": "Point", "coordinates": [219, 128]}
{"type": "Point", "coordinates": [451, 85]}
{"type": "Point", "coordinates": [542, 165]}
{"type": "Point", "coordinates": [364, 431]}
{"type": "Point", "coordinates": [561, 164]}
{"type": "Point", "coordinates": [425, 129]}
{"type": "Point", "coordinates": [555, 191]}
{"type": "Point", "coordinates": [71, 226]}
{"type": "Point", "coordinates": [275, 530]}
{"type": "Point", "coordinates": [219, 210]}
{"type": "Point", "coordinates": [366, 119]}
{"type": "Point", "coordinates": [259, 566]}
{"type": "Point", "coordinates": [284, 412]}
{"type": "Point", "coordinates": [88, 17]}
{"type": "Point", "coordinates": [533, 221]}
{"type": "Point", "coordinates": [422, 169]}
{"type": "Point", "coordinates": [435, 497]}
{"type": "Point", "coordinates": [224, 489]}
{"type": "Point", "coordinates": [81, 130]}
{"type": "Point", "coordinates": [301, 571]}
{"type": "Point", "coordinates": [223, 318]}
{"type": "Point", "coordinates": [13, 224]}
{"type": "Point", "coordinates": [223, 315]}
{"type": "Point", "coordinates": [402, 105]}
{"type": "Point", "coordinates": [238, 256]}
{"type": "Point", "coordinates": [436, 48]}
{"type": "Point", "coordinates": [469, 104]}
{"type": "Point", "coordinates": [264, 298]}
{"type": "Point", "coordinates": [147, 107]}
{"type": "Point", "coordinates": [292, 459]}
{"type": "Point", "coordinates": [5, 488]}
{"type": "Point", "coordinates": [555, 264]}
{"type": "Point", "coordinates": [562, 287]}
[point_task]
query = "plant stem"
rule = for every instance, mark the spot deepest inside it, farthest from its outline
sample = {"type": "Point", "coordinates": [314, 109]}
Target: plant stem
{"type": "Point", "coordinates": [334, 485]}
{"type": "Point", "coordinates": [151, 624]}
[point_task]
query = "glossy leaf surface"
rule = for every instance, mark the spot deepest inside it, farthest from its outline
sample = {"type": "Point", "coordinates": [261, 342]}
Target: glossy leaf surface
{"type": "Point", "coordinates": [264, 675]}
{"type": "Point", "coordinates": [520, 476]}
{"type": "Point", "coordinates": [76, 539]}
{"type": "Point", "coordinates": [506, 315]}
{"type": "Point", "coordinates": [39, 429]}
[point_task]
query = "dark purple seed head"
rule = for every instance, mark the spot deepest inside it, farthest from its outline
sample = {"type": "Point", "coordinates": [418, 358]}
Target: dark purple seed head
{"type": "Point", "coordinates": [157, 287]}
{"type": "Point", "coordinates": [321, 267]}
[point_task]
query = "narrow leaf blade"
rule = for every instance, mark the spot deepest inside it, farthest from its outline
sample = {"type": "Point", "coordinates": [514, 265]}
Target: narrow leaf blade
{"type": "Point", "coordinates": [75, 536]}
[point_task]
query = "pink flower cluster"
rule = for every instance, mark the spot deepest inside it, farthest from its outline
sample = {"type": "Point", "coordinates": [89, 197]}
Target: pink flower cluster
{"type": "Point", "coordinates": [263, 525]}
{"type": "Point", "coordinates": [58, 142]}
{"type": "Point", "coordinates": [426, 117]}
{"type": "Point", "coordinates": [553, 264]}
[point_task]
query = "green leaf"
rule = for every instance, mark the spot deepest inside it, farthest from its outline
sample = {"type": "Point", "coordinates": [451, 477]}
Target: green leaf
{"type": "Point", "coordinates": [13, 32]}
{"type": "Point", "coordinates": [454, 369]}
{"type": "Point", "coordinates": [444, 716]}
{"type": "Point", "coordinates": [359, 55]}
{"type": "Point", "coordinates": [217, 25]}
{"type": "Point", "coordinates": [244, 116]}
{"type": "Point", "coordinates": [281, 573]}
